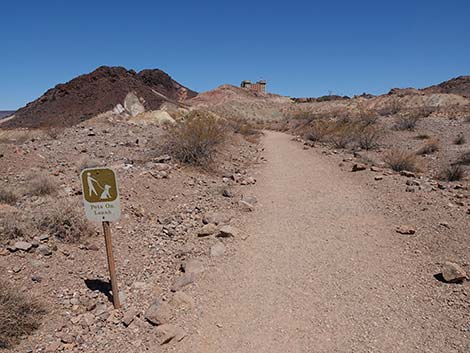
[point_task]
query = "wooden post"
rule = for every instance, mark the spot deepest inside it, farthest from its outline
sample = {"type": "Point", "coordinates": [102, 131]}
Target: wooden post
{"type": "Point", "coordinates": [111, 265]}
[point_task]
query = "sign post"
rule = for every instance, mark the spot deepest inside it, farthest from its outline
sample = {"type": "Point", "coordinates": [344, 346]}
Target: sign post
{"type": "Point", "coordinates": [101, 201]}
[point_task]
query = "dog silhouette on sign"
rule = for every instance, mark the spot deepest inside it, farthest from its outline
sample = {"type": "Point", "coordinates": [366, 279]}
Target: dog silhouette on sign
{"type": "Point", "coordinates": [105, 194]}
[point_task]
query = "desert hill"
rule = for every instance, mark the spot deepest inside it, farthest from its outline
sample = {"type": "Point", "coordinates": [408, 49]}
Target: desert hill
{"type": "Point", "coordinates": [102, 90]}
{"type": "Point", "coordinates": [459, 85]}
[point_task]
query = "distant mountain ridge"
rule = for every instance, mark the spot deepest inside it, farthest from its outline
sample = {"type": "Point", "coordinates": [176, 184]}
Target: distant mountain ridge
{"type": "Point", "coordinates": [6, 113]}
{"type": "Point", "coordinates": [97, 92]}
{"type": "Point", "coordinates": [459, 85]}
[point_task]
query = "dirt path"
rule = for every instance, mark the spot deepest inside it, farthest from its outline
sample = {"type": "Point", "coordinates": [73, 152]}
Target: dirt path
{"type": "Point", "coordinates": [323, 271]}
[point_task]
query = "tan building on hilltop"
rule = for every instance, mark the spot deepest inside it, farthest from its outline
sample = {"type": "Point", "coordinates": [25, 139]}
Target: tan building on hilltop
{"type": "Point", "coordinates": [259, 86]}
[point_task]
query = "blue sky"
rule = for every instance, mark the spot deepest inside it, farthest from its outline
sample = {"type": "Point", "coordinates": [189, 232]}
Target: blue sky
{"type": "Point", "coordinates": [303, 48]}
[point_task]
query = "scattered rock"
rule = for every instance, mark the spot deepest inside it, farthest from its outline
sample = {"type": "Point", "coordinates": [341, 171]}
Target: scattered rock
{"type": "Point", "coordinates": [408, 174]}
{"type": "Point", "coordinates": [44, 250]}
{"type": "Point", "coordinates": [228, 231]}
{"type": "Point", "coordinates": [250, 199]}
{"type": "Point", "coordinates": [245, 206]}
{"type": "Point", "coordinates": [192, 266]}
{"type": "Point", "coordinates": [23, 245]}
{"type": "Point", "coordinates": [406, 229]}
{"type": "Point", "coordinates": [218, 249]}
{"type": "Point", "coordinates": [378, 177]}
{"type": "Point", "coordinates": [207, 230]}
{"type": "Point", "coordinates": [216, 218]}
{"type": "Point", "coordinates": [158, 313]}
{"type": "Point", "coordinates": [129, 316]}
{"type": "Point", "coordinates": [181, 300]}
{"type": "Point", "coordinates": [375, 169]}
{"type": "Point", "coordinates": [358, 167]}
{"type": "Point", "coordinates": [453, 273]}
{"type": "Point", "coordinates": [168, 332]}
{"type": "Point", "coordinates": [183, 281]}
{"type": "Point", "coordinates": [227, 193]}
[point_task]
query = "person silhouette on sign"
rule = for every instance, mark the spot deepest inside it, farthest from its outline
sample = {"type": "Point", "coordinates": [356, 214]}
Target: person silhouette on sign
{"type": "Point", "coordinates": [91, 187]}
{"type": "Point", "coordinates": [106, 195]}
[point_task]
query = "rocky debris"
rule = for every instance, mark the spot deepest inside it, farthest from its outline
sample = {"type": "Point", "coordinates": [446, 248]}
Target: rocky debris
{"type": "Point", "coordinates": [453, 273]}
{"type": "Point", "coordinates": [406, 230]}
{"type": "Point", "coordinates": [216, 218]}
{"type": "Point", "coordinates": [358, 167]}
{"type": "Point", "coordinates": [207, 230]}
{"type": "Point", "coordinates": [129, 316]}
{"type": "Point", "coordinates": [247, 181]}
{"type": "Point", "coordinates": [376, 169]}
{"type": "Point", "coordinates": [168, 332]}
{"type": "Point", "coordinates": [378, 177]}
{"type": "Point", "coordinates": [23, 245]}
{"type": "Point", "coordinates": [158, 313]}
{"type": "Point", "coordinates": [228, 231]}
{"type": "Point", "coordinates": [192, 266]}
{"type": "Point", "coordinates": [162, 159]}
{"type": "Point", "coordinates": [218, 249]}
{"type": "Point", "coordinates": [246, 206]}
{"type": "Point", "coordinates": [44, 250]}
{"type": "Point", "coordinates": [181, 300]}
{"type": "Point", "coordinates": [250, 199]}
{"type": "Point", "coordinates": [408, 174]}
{"type": "Point", "coordinates": [183, 281]}
{"type": "Point", "coordinates": [227, 192]}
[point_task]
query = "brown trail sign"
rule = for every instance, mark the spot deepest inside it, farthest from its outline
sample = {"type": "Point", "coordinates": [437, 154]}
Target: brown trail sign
{"type": "Point", "coordinates": [101, 201]}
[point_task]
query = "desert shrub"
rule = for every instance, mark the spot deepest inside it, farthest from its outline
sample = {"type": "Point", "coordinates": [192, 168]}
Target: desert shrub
{"type": "Point", "coordinates": [399, 160]}
{"type": "Point", "coordinates": [464, 158]}
{"type": "Point", "coordinates": [342, 134]}
{"type": "Point", "coordinates": [40, 185]}
{"type": "Point", "coordinates": [368, 136]}
{"type": "Point", "coordinates": [460, 140]}
{"type": "Point", "coordinates": [367, 117]}
{"type": "Point", "coordinates": [8, 196]}
{"type": "Point", "coordinates": [452, 172]}
{"type": "Point", "coordinates": [407, 121]}
{"type": "Point", "coordinates": [318, 130]}
{"type": "Point", "coordinates": [54, 132]}
{"type": "Point", "coordinates": [10, 228]}
{"type": "Point", "coordinates": [65, 223]}
{"type": "Point", "coordinates": [429, 147]}
{"type": "Point", "coordinates": [242, 127]}
{"type": "Point", "coordinates": [20, 315]}
{"type": "Point", "coordinates": [195, 139]}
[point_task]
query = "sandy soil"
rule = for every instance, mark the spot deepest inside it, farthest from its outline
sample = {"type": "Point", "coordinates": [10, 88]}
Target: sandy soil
{"type": "Point", "coordinates": [323, 271]}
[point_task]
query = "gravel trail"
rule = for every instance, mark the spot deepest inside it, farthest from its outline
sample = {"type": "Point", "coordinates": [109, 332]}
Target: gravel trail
{"type": "Point", "coordinates": [322, 271]}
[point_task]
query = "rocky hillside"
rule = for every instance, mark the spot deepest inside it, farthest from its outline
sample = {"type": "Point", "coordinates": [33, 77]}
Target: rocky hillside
{"type": "Point", "coordinates": [459, 85]}
{"type": "Point", "coordinates": [102, 90]}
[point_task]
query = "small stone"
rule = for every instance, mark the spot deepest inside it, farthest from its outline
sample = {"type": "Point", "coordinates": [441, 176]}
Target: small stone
{"type": "Point", "coordinates": [158, 313]}
{"type": "Point", "coordinates": [375, 169]}
{"type": "Point", "coordinates": [44, 250]}
{"type": "Point", "coordinates": [408, 174]}
{"type": "Point", "coordinates": [453, 273]}
{"type": "Point", "coordinates": [406, 229]}
{"type": "Point", "coordinates": [207, 230]}
{"type": "Point", "coordinates": [410, 189]}
{"type": "Point", "coordinates": [88, 319]}
{"type": "Point", "coordinates": [379, 177]}
{"type": "Point", "coordinates": [129, 316]}
{"type": "Point", "coordinates": [36, 278]}
{"type": "Point", "coordinates": [227, 193]}
{"type": "Point", "coordinates": [183, 281]}
{"type": "Point", "coordinates": [17, 268]}
{"type": "Point", "coordinates": [23, 245]}
{"type": "Point", "coordinates": [216, 218]}
{"type": "Point", "coordinates": [192, 266]}
{"type": "Point", "coordinates": [358, 167]}
{"type": "Point", "coordinates": [166, 333]}
{"type": "Point", "coordinates": [218, 249]}
{"type": "Point", "coordinates": [182, 300]}
{"type": "Point", "coordinates": [228, 231]}
{"type": "Point", "coordinates": [250, 199]}
{"type": "Point", "coordinates": [245, 206]}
